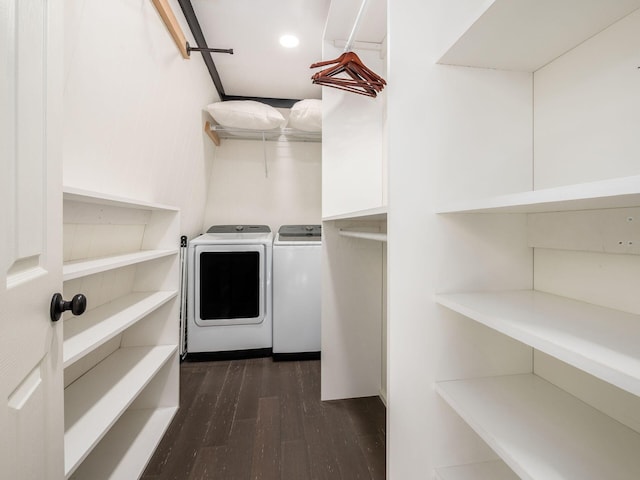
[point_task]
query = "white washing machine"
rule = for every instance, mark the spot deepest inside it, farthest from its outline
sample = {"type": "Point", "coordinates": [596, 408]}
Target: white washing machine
{"type": "Point", "coordinates": [296, 292]}
{"type": "Point", "coordinates": [230, 290]}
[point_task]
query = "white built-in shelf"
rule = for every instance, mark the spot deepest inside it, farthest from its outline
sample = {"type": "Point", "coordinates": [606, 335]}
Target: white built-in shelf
{"type": "Point", "coordinates": [82, 268]}
{"type": "Point", "coordinates": [525, 35]}
{"type": "Point", "coordinates": [375, 236]}
{"type": "Point", "coordinates": [373, 214]}
{"type": "Point", "coordinates": [542, 432]}
{"type": "Point", "coordinates": [99, 198]}
{"type": "Point", "coordinates": [85, 333]}
{"type": "Point", "coordinates": [613, 193]}
{"type": "Point", "coordinates": [493, 470]}
{"type": "Point", "coordinates": [123, 453]}
{"type": "Point", "coordinates": [95, 401]}
{"type": "Point", "coordinates": [598, 340]}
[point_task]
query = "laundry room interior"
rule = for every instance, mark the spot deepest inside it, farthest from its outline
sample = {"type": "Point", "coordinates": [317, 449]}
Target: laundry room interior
{"type": "Point", "coordinates": [320, 239]}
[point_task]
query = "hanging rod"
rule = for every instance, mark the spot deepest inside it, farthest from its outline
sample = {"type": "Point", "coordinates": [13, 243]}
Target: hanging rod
{"type": "Point", "coordinates": [377, 236]}
{"type": "Point", "coordinates": [373, 46]}
{"type": "Point", "coordinates": [356, 26]}
{"type": "Point", "coordinates": [207, 49]}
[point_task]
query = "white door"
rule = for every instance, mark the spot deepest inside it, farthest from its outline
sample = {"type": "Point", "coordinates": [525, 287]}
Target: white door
{"type": "Point", "coordinates": [31, 391]}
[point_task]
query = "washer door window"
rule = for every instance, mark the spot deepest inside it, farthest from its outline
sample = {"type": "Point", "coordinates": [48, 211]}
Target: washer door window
{"type": "Point", "coordinates": [230, 281]}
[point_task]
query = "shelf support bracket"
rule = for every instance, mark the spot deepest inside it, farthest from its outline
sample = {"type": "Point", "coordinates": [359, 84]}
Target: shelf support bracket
{"type": "Point", "coordinates": [211, 134]}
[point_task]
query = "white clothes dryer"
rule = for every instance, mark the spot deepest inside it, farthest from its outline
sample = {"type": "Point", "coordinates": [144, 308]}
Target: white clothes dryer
{"type": "Point", "coordinates": [297, 253]}
{"type": "Point", "coordinates": [229, 296]}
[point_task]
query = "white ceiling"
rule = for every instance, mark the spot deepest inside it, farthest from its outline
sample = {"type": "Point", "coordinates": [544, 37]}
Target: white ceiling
{"type": "Point", "coordinates": [260, 67]}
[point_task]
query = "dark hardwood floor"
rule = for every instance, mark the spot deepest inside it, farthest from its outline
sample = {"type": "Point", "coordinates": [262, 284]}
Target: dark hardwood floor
{"type": "Point", "coordinates": [262, 420]}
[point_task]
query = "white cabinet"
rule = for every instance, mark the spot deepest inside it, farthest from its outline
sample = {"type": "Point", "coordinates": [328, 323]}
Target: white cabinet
{"type": "Point", "coordinates": [354, 160]}
{"type": "Point", "coordinates": [121, 356]}
{"type": "Point", "coordinates": [353, 305]}
{"type": "Point", "coordinates": [354, 214]}
{"type": "Point", "coordinates": [588, 350]}
{"type": "Point", "coordinates": [538, 346]}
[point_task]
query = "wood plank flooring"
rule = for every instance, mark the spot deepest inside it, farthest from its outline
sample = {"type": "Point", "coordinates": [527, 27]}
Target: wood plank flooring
{"type": "Point", "coordinates": [257, 419]}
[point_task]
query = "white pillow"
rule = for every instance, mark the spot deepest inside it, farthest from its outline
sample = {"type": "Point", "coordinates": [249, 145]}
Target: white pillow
{"type": "Point", "coordinates": [306, 115]}
{"type": "Point", "coordinates": [246, 114]}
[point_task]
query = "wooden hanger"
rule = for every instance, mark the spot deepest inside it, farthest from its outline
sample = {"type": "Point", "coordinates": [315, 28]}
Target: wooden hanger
{"type": "Point", "coordinates": [347, 60]}
{"type": "Point", "coordinates": [347, 72]}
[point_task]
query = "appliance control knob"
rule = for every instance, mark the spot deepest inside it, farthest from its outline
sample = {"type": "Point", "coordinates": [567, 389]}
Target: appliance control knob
{"type": "Point", "coordinates": [239, 228]}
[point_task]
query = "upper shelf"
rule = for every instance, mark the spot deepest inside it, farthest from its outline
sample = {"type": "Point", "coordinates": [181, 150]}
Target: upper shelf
{"type": "Point", "coordinates": [87, 196]}
{"type": "Point", "coordinates": [373, 214]}
{"type": "Point", "coordinates": [525, 35]}
{"type": "Point", "coordinates": [598, 340]}
{"type": "Point", "coordinates": [613, 193]}
{"type": "Point", "coordinates": [83, 268]}
{"type": "Point", "coordinates": [217, 132]}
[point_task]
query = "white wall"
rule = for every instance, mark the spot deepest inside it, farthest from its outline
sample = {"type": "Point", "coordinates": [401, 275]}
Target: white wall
{"type": "Point", "coordinates": [133, 107]}
{"type": "Point", "coordinates": [241, 193]}
{"type": "Point", "coordinates": [587, 110]}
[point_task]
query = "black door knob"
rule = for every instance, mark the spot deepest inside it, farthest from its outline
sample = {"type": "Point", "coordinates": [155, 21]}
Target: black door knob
{"type": "Point", "coordinates": [77, 305]}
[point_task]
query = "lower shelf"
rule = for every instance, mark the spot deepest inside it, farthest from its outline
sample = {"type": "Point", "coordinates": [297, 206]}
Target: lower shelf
{"type": "Point", "coordinates": [541, 431]}
{"type": "Point", "coordinates": [94, 402]}
{"type": "Point", "coordinates": [601, 341]}
{"type": "Point", "coordinates": [125, 451]}
{"type": "Point", "coordinates": [84, 334]}
{"type": "Point", "coordinates": [495, 470]}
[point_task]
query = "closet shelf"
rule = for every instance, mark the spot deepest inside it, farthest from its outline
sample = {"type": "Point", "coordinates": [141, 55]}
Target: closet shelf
{"type": "Point", "coordinates": [275, 135]}
{"type": "Point", "coordinates": [492, 470]}
{"type": "Point", "coordinates": [376, 236]}
{"type": "Point", "coordinates": [124, 451]}
{"type": "Point", "coordinates": [82, 268]}
{"type": "Point", "coordinates": [507, 35]}
{"type": "Point", "coordinates": [95, 401]}
{"type": "Point", "coordinates": [541, 431]}
{"type": "Point", "coordinates": [373, 214]}
{"type": "Point", "coordinates": [597, 340]}
{"type": "Point", "coordinates": [613, 193]}
{"type": "Point", "coordinates": [86, 333]}
{"type": "Point", "coordinates": [99, 198]}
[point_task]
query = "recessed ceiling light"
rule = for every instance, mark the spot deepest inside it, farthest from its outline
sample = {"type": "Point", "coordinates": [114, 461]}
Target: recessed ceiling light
{"type": "Point", "coordinates": [289, 41]}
